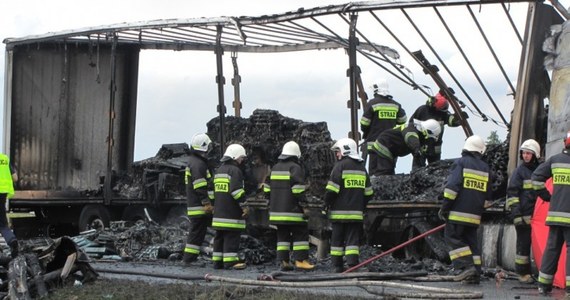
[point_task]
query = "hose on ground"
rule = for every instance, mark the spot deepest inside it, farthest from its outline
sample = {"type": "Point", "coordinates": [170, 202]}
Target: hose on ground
{"type": "Point", "coordinates": [351, 282]}
{"type": "Point", "coordinates": [290, 277]}
{"type": "Point", "coordinates": [141, 273]}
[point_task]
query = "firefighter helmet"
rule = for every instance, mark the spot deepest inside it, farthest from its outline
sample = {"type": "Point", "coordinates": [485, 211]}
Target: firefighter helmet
{"type": "Point", "coordinates": [290, 149]}
{"type": "Point", "coordinates": [439, 102]}
{"type": "Point", "coordinates": [430, 128]}
{"type": "Point", "coordinates": [234, 151]}
{"type": "Point", "coordinates": [475, 143]}
{"type": "Point", "coordinates": [346, 147]}
{"type": "Point", "coordinates": [381, 87]}
{"type": "Point", "coordinates": [532, 146]}
{"type": "Point", "coordinates": [201, 142]}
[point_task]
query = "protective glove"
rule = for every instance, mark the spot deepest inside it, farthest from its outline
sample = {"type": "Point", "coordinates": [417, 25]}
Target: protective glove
{"type": "Point", "coordinates": [208, 208]}
{"type": "Point", "coordinates": [464, 115]}
{"type": "Point", "coordinates": [442, 214]}
{"type": "Point", "coordinates": [244, 212]}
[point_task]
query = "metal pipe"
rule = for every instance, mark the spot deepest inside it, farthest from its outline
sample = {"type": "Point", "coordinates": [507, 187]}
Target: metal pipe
{"type": "Point", "coordinates": [220, 81]}
{"type": "Point", "coordinates": [353, 70]}
{"type": "Point", "coordinates": [110, 140]}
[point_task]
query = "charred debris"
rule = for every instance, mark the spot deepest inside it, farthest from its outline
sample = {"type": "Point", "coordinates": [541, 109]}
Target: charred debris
{"type": "Point", "coordinates": [46, 263]}
{"type": "Point", "coordinates": [263, 135]}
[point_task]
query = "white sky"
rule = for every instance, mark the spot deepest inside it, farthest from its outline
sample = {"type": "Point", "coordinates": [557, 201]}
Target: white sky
{"type": "Point", "coordinates": [178, 93]}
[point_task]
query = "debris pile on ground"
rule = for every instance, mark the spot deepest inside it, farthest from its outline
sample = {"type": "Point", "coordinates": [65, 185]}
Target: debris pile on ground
{"type": "Point", "coordinates": [147, 240]}
{"type": "Point", "coordinates": [43, 265]}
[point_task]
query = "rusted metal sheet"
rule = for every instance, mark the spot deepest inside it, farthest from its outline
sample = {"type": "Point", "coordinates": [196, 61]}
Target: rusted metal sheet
{"type": "Point", "coordinates": [59, 111]}
{"type": "Point", "coordinates": [528, 116]}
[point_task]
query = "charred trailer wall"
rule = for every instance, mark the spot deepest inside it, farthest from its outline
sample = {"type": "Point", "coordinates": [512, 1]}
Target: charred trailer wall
{"type": "Point", "coordinates": [58, 104]}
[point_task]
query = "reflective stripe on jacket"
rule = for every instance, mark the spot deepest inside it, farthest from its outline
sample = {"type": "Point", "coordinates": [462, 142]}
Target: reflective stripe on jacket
{"type": "Point", "coordinates": [228, 195]}
{"type": "Point", "coordinates": [348, 191]}
{"type": "Point", "coordinates": [286, 186]}
{"type": "Point", "coordinates": [467, 188]}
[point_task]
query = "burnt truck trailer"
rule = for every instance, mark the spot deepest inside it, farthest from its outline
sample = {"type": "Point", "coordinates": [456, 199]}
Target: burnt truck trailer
{"type": "Point", "coordinates": [69, 126]}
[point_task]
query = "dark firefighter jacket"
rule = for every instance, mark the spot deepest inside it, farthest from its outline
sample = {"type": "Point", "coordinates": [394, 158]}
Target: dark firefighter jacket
{"type": "Point", "coordinates": [557, 167]}
{"type": "Point", "coordinates": [399, 142]}
{"type": "Point", "coordinates": [348, 191]}
{"type": "Point", "coordinates": [286, 187]}
{"type": "Point", "coordinates": [467, 188]}
{"type": "Point", "coordinates": [381, 113]}
{"type": "Point", "coordinates": [198, 181]}
{"type": "Point", "coordinates": [426, 112]}
{"type": "Point", "coordinates": [229, 193]}
{"type": "Point", "coordinates": [521, 196]}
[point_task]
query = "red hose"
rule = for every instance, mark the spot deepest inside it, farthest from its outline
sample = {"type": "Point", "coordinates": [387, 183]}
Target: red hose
{"type": "Point", "coordinates": [402, 245]}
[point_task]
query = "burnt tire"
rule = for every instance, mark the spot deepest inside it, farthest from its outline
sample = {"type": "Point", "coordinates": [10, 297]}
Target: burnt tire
{"type": "Point", "coordinates": [94, 216]}
{"type": "Point", "coordinates": [430, 246]}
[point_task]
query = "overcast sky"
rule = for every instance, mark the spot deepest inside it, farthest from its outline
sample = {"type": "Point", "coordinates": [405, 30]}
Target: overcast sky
{"type": "Point", "coordinates": [312, 86]}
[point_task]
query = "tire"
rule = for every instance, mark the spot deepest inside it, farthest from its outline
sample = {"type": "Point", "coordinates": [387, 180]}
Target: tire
{"type": "Point", "coordinates": [133, 213]}
{"type": "Point", "coordinates": [94, 216]}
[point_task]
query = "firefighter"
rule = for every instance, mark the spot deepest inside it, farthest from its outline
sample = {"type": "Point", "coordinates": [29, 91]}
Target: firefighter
{"type": "Point", "coordinates": [229, 212]}
{"type": "Point", "coordinates": [347, 193]}
{"type": "Point", "coordinates": [521, 198]}
{"type": "Point", "coordinates": [467, 189]}
{"type": "Point", "coordinates": [381, 113]}
{"type": "Point", "coordinates": [401, 141]}
{"type": "Point", "coordinates": [436, 108]}
{"type": "Point", "coordinates": [558, 217]}
{"type": "Point", "coordinates": [7, 177]}
{"type": "Point", "coordinates": [286, 188]}
{"type": "Point", "coordinates": [198, 182]}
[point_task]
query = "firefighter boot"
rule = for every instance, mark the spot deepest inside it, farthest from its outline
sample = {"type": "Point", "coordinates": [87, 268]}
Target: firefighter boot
{"type": "Point", "coordinates": [286, 266]}
{"type": "Point", "coordinates": [14, 248]}
{"type": "Point", "coordinates": [239, 266]}
{"type": "Point", "coordinates": [304, 265]}
{"type": "Point", "coordinates": [544, 289]}
{"type": "Point", "coordinates": [527, 278]}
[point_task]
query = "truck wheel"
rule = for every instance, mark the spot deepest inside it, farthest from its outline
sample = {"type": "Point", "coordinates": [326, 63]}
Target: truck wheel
{"type": "Point", "coordinates": [94, 217]}
{"type": "Point", "coordinates": [133, 213]}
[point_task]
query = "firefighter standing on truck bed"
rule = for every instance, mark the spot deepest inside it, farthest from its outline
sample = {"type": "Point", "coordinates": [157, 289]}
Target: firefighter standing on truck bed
{"type": "Point", "coordinates": [436, 108]}
{"type": "Point", "coordinates": [521, 199]}
{"type": "Point", "coordinates": [467, 189]}
{"type": "Point", "coordinates": [401, 141]}
{"type": "Point", "coordinates": [347, 193]}
{"type": "Point", "coordinates": [198, 182]}
{"type": "Point", "coordinates": [380, 113]}
{"type": "Point", "coordinates": [558, 218]}
{"type": "Point", "coordinates": [286, 188]}
{"type": "Point", "coordinates": [229, 216]}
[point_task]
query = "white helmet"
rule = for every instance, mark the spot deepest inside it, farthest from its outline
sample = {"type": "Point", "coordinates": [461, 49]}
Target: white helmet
{"type": "Point", "coordinates": [532, 146]}
{"type": "Point", "coordinates": [381, 87]}
{"type": "Point", "coordinates": [234, 151]}
{"type": "Point", "coordinates": [475, 143]}
{"type": "Point", "coordinates": [430, 128]}
{"type": "Point", "coordinates": [347, 147]}
{"type": "Point", "coordinates": [290, 149]}
{"type": "Point", "coordinates": [201, 142]}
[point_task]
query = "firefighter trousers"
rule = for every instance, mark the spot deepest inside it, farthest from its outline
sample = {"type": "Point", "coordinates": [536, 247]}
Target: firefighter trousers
{"type": "Point", "coordinates": [5, 230]}
{"type": "Point", "coordinates": [465, 251]}
{"type": "Point", "coordinates": [226, 246]}
{"type": "Point", "coordinates": [198, 228]}
{"type": "Point", "coordinates": [384, 165]}
{"type": "Point", "coordinates": [345, 241]}
{"type": "Point", "coordinates": [557, 235]}
{"type": "Point", "coordinates": [295, 235]}
{"type": "Point", "coordinates": [522, 258]}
